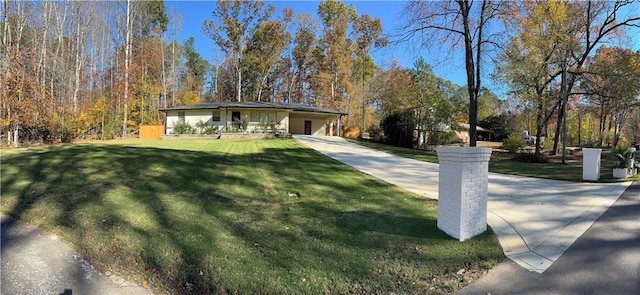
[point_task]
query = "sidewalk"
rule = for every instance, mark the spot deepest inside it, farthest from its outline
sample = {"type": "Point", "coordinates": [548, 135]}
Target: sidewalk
{"type": "Point", "coordinates": [535, 220]}
{"type": "Point", "coordinates": [34, 262]}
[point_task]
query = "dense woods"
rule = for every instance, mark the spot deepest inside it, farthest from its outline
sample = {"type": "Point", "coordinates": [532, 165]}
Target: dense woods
{"type": "Point", "coordinates": [85, 69]}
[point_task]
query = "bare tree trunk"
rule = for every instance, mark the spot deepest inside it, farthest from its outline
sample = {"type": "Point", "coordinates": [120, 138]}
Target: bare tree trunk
{"type": "Point", "coordinates": [3, 70]}
{"type": "Point", "coordinates": [79, 55]}
{"type": "Point", "coordinates": [59, 58]}
{"type": "Point", "coordinates": [215, 85]}
{"type": "Point", "coordinates": [173, 72]}
{"type": "Point", "coordinates": [603, 119]}
{"type": "Point", "coordinates": [126, 70]}
{"type": "Point", "coordinates": [46, 13]}
{"type": "Point", "coordinates": [239, 86]}
{"type": "Point", "coordinates": [6, 32]}
{"type": "Point", "coordinates": [142, 74]}
{"type": "Point", "coordinates": [164, 77]}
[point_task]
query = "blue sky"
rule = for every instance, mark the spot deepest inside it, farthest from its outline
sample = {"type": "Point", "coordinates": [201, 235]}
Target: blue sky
{"type": "Point", "coordinates": [450, 67]}
{"type": "Point", "coordinates": [390, 13]}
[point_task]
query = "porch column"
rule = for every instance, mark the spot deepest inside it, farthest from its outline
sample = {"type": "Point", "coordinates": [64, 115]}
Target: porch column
{"type": "Point", "coordinates": [287, 122]}
{"type": "Point", "coordinates": [331, 128]}
{"type": "Point", "coordinates": [339, 127]}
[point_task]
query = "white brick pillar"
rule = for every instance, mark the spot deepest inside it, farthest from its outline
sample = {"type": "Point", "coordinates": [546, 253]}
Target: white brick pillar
{"type": "Point", "coordinates": [591, 164]}
{"type": "Point", "coordinates": [462, 191]}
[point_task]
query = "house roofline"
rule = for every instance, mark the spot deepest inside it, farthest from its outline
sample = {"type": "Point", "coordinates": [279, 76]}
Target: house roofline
{"type": "Point", "coordinates": [253, 105]}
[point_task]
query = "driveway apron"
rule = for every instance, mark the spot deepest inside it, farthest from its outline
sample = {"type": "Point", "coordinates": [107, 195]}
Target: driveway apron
{"type": "Point", "coordinates": [534, 219]}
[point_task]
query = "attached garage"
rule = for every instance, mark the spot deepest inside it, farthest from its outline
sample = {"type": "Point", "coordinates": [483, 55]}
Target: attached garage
{"type": "Point", "coordinates": [309, 123]}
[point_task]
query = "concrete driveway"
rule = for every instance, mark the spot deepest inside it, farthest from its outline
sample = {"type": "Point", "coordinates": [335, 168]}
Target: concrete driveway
{"type": "Point", "coordinates": [535, 220]}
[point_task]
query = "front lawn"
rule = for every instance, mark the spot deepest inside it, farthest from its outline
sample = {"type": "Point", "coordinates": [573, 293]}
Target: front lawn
{"type": "Point", "coordinates": [237, 216]}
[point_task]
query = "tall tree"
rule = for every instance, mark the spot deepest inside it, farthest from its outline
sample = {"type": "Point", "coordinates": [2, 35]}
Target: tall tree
{"type": "Point", "coordinates": [336, 49]}
{"type": "Point", "coordinates": [367, 34]}
{"type": "Point", "coordinates": [598, 22]}
{"type": "Point", "coordinates": [265, 48]}
{"type": "Point", "coordinates": [127, 61]}
{"type": "Point", "coordinates": [533, 55]}
{"type": "Point", "coordinates": [433, 110]}
{"type": "Point", "coordinates": [195, 68]}
{"type": "Point", "coordinates": [612, 85]}
{"type": "Point", "coordinates": [232, 21]}
{"type": "Point", "coordinates": [302, 54]}
{"type": "Point", "coordinates": [452, 21]}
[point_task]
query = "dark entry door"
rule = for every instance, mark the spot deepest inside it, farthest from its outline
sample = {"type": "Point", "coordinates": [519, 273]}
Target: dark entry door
{"type": "Point", "coordinates": [235, 116]}
{"type": "Point", "coordinates": [307, 127]}
{"type": "Point", "coordinates": [235, 120]}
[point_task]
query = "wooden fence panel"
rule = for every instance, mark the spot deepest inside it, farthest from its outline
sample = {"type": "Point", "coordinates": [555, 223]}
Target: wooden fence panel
{"type": "Point", "coordinates": [151, 131]}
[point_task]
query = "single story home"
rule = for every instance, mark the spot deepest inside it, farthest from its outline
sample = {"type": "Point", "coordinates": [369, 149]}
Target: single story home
{"type": "Point", "coordinates": [229, 117]}
{"type": "Point", "coordinates": [481, 133]}
{"type": "Point", "coordinates": [462, 132]}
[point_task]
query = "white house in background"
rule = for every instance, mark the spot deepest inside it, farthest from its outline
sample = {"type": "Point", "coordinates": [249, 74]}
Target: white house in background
{"type": "Point", "coordinates": [288, 118]}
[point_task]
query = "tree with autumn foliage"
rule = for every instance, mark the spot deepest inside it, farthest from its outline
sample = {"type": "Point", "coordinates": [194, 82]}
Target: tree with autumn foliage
{"type": "Point", "coordinates": [268, 41]}
{"type": "Point", "coordinates": [551, 38]}
{"type": "Point", "coordinates": [230, 28]}
{"type": "Point", "coordinates": [534, 56]}
{"type": "Point", "coordinates": [596, 22]}
{"type": "Point", "coordinates": [336, 67]}
{"type": "Point", "coordinates": [611, 83]}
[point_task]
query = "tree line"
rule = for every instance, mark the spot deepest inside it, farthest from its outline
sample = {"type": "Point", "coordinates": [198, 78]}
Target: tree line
{"type": "Point", "coordinates": [553, 57]}
{"type": "Point", "coordinates": [73, 69]}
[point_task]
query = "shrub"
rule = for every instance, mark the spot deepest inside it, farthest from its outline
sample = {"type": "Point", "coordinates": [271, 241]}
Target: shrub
{"type": "Point", "coordinates": [201, 126]}
{"type": "Point", "coordinates": [375, 133]}
{"type": "Point", "coordinates": [513, 143]}
{"type": "Point", "coordinates": [531, 158]}
{"type": "Point", "coordinates": [243, 123]}
{"type": "Point", "coordinates": [66, 133]}
{"type": "Point", "coordinates": [444, 138]}
{"type": "Point", "coordinates": [112, 128]}
{"type": "Point", "coordinates": [624, 157]}
{"type": "Point", "coordinates": [398, 129]}
{"type": "Point", "coordinates": [501, 125]}
{"type": "Point", "coordinates": [182, 128]}
{"type": "Point", "coordinates": [210, 130]}
{"type": "Point", "coordinates": [204, 128]}
{"type": "Point", "coordinates": [264, 125]}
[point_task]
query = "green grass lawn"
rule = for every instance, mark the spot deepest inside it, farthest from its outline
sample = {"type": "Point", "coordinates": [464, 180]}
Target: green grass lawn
{"type": "Point", "coordinates": [570, 172]}
{"type": "Point", "coordinates": [215, 216]}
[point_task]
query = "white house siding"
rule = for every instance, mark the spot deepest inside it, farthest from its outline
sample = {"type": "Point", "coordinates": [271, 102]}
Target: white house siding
{"type": "Point", "coordinates": [318, 125]}
{"type": "Point", "coordinates": [282, 118]}
{"type": "Point", "coordinates": [193, 116]}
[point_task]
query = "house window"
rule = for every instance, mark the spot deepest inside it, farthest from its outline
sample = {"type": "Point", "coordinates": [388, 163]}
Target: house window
{"type": "Point", "coordinates": [216, 116]}
{"type": "Point", "coordinates": [259, 117]}
{"type": "Point", "coordinates": [181, 117]}
{"type": "Point", "coordinates": [255, 116]}
{"type": "Point", "coordinates": [271, 117]}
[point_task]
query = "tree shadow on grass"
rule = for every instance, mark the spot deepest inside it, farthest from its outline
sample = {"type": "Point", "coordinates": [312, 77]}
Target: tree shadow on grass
{"type": "Point", "coordinates": [222, 221]}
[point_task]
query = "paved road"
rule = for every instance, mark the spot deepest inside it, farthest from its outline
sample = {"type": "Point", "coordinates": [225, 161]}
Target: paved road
{"type": "Point", "coordinates": [535, 220]}
{"type": "Point", "coordinates": [34, 262]}
{"type": "Point", "coordinates": [604, 260]}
